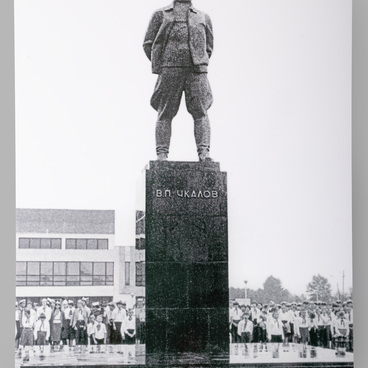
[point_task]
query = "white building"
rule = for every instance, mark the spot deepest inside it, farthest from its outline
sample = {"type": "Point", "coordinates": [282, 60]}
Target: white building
{"type": "Point", "coordinates": [72, 254]}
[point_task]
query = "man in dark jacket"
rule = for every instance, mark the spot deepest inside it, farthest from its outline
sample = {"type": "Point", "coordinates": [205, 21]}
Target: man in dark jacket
{"type": "Point", "coordinates": [179, 43]}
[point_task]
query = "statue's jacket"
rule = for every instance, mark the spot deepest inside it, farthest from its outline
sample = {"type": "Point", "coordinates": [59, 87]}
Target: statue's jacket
{"type": "Point", "coordinates": [200, 38]}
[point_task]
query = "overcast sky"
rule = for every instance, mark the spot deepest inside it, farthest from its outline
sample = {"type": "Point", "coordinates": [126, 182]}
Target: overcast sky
{"type": "Point", "coordinates": [281, 122]}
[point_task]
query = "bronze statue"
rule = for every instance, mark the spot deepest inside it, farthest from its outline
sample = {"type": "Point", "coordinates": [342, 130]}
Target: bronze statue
{"type": "Point", "coordinates": [179, 43]}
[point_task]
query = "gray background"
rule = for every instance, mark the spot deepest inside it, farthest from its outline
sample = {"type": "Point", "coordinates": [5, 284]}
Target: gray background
{"type": "Point", "coordinates": [360, 176]}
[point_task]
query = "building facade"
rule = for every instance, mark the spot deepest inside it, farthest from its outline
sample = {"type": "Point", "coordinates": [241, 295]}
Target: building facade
{"type": "Point", "coordinates": [72, 254]}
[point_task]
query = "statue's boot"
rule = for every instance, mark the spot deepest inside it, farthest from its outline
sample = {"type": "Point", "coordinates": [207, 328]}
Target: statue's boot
{"type": "Point", "coordinates": [202, 134]}
{"type": "Point", "coordinates": [163, 137]}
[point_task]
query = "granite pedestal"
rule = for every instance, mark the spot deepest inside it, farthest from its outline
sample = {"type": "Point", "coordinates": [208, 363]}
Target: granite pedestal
{"type": "Point", "coordinates": [187, 292]}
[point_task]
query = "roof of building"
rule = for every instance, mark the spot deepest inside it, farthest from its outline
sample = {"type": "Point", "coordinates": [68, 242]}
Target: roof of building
{"type": "Point", "coordinates": [59, 221]}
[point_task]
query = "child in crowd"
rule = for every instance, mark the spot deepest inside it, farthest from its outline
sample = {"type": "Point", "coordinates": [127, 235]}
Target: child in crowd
{"type": "Point", "coordinates": [27, 333]}
{"type": "Point", "coordinates": [313, 329]}
{"type": "Point", "coordinates": [262, 327]}
{"type": "Point", "coordinates": [99, 333]}
{"type": "Point", "coordinates": [128, 328]}
{"type": "Point", "coordinates": [42, 332]}
{"type": "Point", "coordinates": [90, 329]}
{"type": "Point", "coordinates": [245, 328]}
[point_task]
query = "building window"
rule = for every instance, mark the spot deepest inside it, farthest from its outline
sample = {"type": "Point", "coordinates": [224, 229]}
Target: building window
{"type": "Point", "coordinates": [87, 244]}
{"type": "Point", "coordinates": [39, 243]}
{"type": "Point", "coordinates": [127, 273]}
{"type": "Point", "coordinates": [140, 274]}
{"type": "Point", "coordinates": [64, 273]}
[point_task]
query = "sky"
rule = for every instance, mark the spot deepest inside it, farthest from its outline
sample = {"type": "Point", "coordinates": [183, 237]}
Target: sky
{"type": "Point", "coordinates": [280, 74]}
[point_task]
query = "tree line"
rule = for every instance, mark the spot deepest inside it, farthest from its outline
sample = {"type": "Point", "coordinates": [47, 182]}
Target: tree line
{"type": "Point", "coordinates": [318, 289]}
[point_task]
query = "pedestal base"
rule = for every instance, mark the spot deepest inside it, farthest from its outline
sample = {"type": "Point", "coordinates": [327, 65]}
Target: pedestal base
{"type": "Point", "coordinates": [187, 292]}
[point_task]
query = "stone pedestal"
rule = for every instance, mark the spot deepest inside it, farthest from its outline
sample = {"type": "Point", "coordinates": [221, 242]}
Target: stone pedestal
{"type": "Point", "coordinates": [187, 295]}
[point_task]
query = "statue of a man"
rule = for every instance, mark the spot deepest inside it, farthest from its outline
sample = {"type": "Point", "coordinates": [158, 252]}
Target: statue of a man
{"type": "Point", "coordinates": [179, 43]}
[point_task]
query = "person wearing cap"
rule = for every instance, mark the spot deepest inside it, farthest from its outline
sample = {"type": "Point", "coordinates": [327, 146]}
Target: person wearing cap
{"type": "Point", "coordinates": [27, 339]}
{"type": "Point", "coordinates": [120, 314]}
{"type": "Point", "coordinates": [128, 328]}
{"type": "Point", "coordinates": [45, 309]}
{"type": "Point", "coordinates": [245, 328]}
{"type": "Point", "coordinates": [235, 317]}
{"type": "Point", "coordinates": [79, 323]}
{"type": "Point", "coordinates": [42, 332]}
{"type": "Point", "coordinates": [56, 324]}
{"type": "Point", "coordinates": [275, 329]}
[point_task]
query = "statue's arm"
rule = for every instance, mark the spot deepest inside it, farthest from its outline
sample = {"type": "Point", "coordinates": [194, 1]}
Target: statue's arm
{"type": "Point", "coordinates": [153, 28]}
{"type": "Point", "coordinates": [209, 36]}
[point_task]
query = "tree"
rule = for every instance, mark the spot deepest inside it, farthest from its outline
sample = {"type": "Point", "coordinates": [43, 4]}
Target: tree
{"type": "Point", "coordinates": [273, 290]}
{"type": "Point", "coordinates": [319, 289]}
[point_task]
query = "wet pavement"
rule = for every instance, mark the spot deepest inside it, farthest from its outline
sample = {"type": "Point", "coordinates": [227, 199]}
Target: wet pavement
{"type": "Point", "coordinates": [257, 355]}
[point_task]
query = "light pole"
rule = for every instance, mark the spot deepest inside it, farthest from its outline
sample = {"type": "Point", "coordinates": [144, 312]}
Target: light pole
{"type": "Point", "coordinates": [245, 289]}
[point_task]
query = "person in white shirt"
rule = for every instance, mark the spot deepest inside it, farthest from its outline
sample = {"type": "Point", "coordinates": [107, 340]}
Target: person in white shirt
{"type": "Point", "coordinates": [42, 332]}
{"type": "Point", "coordinates": [99, 333]}
{"type": "Point", "coordinates": [341, 325]}
{"type": "Point", "coordinates": [45, 309]}
{"type": "Point", "coordinates": [255, 313]}
{"type": "Point", "coordinates": [235, 316]}
{"type": "Point", "coordinates": [245, 328]}
{"type": "Point", "coordinates": [90, 328]}
{"type": "Point", "coordinates": [129, 328]}
{"type": "Point", "coordinates": [302, 328]}
{"type": "Point", "coordinates": [27, 338]}
{"type": "Point", "coordinates": [322, 322]}
{"type": "Point", "coordinates": [120, 315]}
{"type": "Point", "coordinates": [285, 318]}
{"type": "Point", "coordinates": [275, 329]}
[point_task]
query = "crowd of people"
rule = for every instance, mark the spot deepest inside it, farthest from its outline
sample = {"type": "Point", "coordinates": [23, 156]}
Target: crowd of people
{"type": "Point", "coordinates": [61, 324]}
{"type": "Point", "coordinates": [309, 323]}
